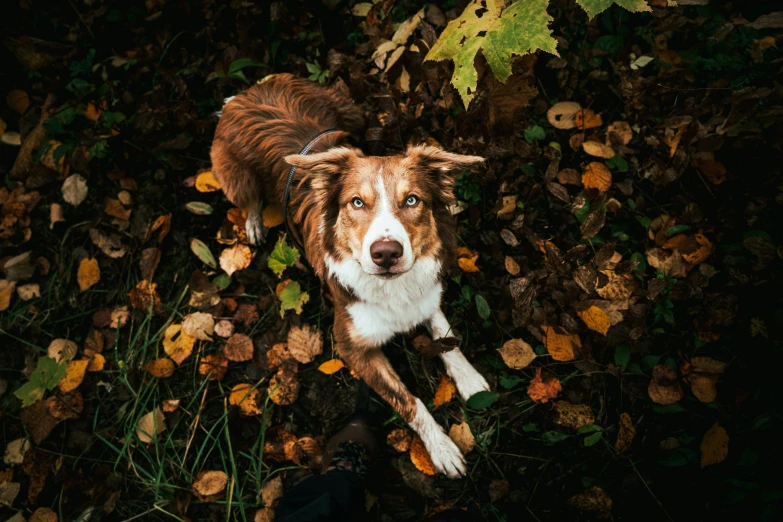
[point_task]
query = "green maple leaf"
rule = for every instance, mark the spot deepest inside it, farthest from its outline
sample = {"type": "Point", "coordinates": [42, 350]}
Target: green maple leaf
{"type": "Point", "coordinates": [292, 298]}
{"type": "Point", "coordinates": [595, 7]}
{"type": "Point", "coordinates": [521, 28]}
{"type": "Point", "coordinates": [282, 256]}
{"type": "Point", "coordinates": [46, 376]}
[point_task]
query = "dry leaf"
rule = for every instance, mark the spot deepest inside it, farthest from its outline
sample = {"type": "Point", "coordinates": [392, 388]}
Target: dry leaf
{"type": "Point", "coordinates": [151, 425]}
{"type": "Point", "coordinates": [177, 344]}
{"type": "Point", "coordinates": [224, 328]}
{"type": "Point", "coordinates": [593, 500]}
{"type": "Point", "coordinates": [235, 258]}
{"type": "Point", "coordinates": [119, 317]}
{"type": "Point", "coordinates": [246, 397]}
{"type": "Point", "coordinates": [209, 485]}
{"type": "Point", "coordinates": [621, 130]}
{"type": "Point", "coordinates": [598, 149]}
{"type": "Point", "coordinates": [74, 375]}
{"type": "Point", "coordinates": [6, 291]}
{"type": "Point", "coordinates": [199, 325]}
{"type": "Point", "coordinates": [116, 209]}
{"type": "Point", "coordinates": [462, 437]}
{"type": "Point", "coordinates": [561, 346]}
{"type": "Point", "coordinates": [29, 291]}
{"type": "Point", "coordinates": [595, 319]}
{"type": "Point", "coordinates": [304, 343]}
{"type": "Point", "coordinates": [561, 115]}
{"type": "Point", "coordinates": [619, 287]}
{"type": "Point", "coordinates": [542, 391]}
{"type": "Point", "coordinates": [43, 514]}
{"type": "Point", "coordinates": [508, 205]}
{"type": "Point", "coordinates": [714, 446]}
{"type": "Point", "coordinates": [498, 489]}
{"type": "Point", "coordinates": [573, 416]}
{"type": "Point", "coordinates": [65, 405]}
{"type": "Point", "coordinates": [703, 374]}
{"type": "Point", "coordinates": [74, 189]}
{"type": "Point", "coordinates": [277, 355]}
{"type": "Point", "coordinates": [214, 366]}
{"type": "Point", "coordinates": [467, 259]}
{"type": "Point", "coordinates": [400, 439]}
{"type": "Point", "coordinates": [111, 245]}
{"type": "Point", "coordinates": [97, 360]}
{"type": "Point", "coordinates": [238, 348]}
{"type": "Point", "coordinates": [587, 119]}
{"type": "Point", "coordinates": [420, 457]}
{"type": "Point", "coordinates": [444, 392]}
{"type": "Point", "coordinates": [664, 388]}
{"type": "Point", "coordinates": [625, 433]}
{"type": "Point", "coordinates": [512, 267]}
{"type": "Point", "coordinates": [271, 491]}
{"type": "Point", "coordinates": [88, 274]}
{"type": "Point", "coordinates": [150, 257]}
{"type": "Point", "coordinates": [144, 297]}
{"type": "Point", "coordinates": [161, 368]}
{"type": "Point", "coordinates": [17, 100]}
{"type": "Point", "coordinates": [272, 216]}
{"type": "Point", "coordinates": [331, 366]}
{"type": "Point", "coordinates": [284, 386]}
{"type": "Point", "coordinates": [170, 405]}
{"type": "Point", "coordinates": [206, 182]}
{"type": "Point", "coordinates": [62, 350]}
{"type": "Point", "coordinates": [14, 452]}
{"type": "Point", "coordinates": [517, 354]}
{"type": "Point", "coordinates": [597, 176]}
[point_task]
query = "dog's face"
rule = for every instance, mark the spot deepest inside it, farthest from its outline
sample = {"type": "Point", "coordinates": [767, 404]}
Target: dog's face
{"type": "Point", "coordinates": [380, 211]}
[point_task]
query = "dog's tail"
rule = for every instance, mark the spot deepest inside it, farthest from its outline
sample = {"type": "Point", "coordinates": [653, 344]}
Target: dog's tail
{"type": "Point", "coordinates": [219, 113]}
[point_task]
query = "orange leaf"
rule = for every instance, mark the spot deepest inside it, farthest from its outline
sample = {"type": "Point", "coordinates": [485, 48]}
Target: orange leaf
{"type": "Point", "coordinates": [587, 119]}
{"type": "Point", "coordinates": [144, 297]}
{"type": "Point", "coordinates": [399, 439]}
{"type": "Point", "coordinates": [209, 486]}
{"type": "Point", "coordinates": [664, 388]}
{"type": "Point", "coordinates": [714, 446]}
{"type": "Point", "coordinates": [206, 182]}
{"type": "Point", "coordinates": [540, 391]}
{"type": "Point", "coordinates": [595, 319]}
{"type": "Point", "coordinates": [235, 258]}
{"type": "Point", "coordinates": [561, 346]}
{"type": "Point", "coordinates": [115, 208]}
{"type": "Point", "coordinates": [160, 368]}
{"type": "Point", "coordinates": [272, 216]}
{"type": "Point", "coordinates": [88, 274]}
{"type": "Point", "coordinates": [467, 260]}
{"type": "Point", "coordinates": [444, 392]}
{"type": "Point", "coordinates": [97, 360]}
{"type": "Point", "coordinates": [331, 366]}
{"type": "Point", "coordinates": [239, 348]}
{"type": "Point", "coordinates": [284, 386]}
{"type": "Point", "coordinates": [597, 176]}
{"type": "Point", "coordinates": [92, 112]}
{"type": "Point", "coordinates": [177, 344]}
{"type": "Point", "coordinates": [420, 457]}
{"type": "Point", "coordinates": [74, 375]}
{"type": "Point", "coordinates": [625, 433]}
{"type": "Point", "coordinates": [246, 397]}
{"type": "Point", "coordinates": [597, 149]}
{"type": "Point", "coordinates": [215, 366]}
{"type": "Point", "coordinates": [517, 354]}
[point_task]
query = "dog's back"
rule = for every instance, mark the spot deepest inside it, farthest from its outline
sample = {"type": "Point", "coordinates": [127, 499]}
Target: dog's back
{"type": "Point", "coordinates": [262, 125]}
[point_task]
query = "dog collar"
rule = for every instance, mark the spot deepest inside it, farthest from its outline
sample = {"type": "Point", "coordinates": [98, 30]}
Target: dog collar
{"type": "Point", "coordinates": [304, 152]}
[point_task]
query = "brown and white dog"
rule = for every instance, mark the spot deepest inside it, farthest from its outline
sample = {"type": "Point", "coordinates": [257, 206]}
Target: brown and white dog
{"type": "Point", "coordinates": [376, 230]}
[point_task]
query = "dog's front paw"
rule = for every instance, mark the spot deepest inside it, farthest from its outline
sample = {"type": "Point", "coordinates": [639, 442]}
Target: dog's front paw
{"type": "Point", "coordinates": [469, 382]}
{"type": "Point", "coordinates": [446, 456]}
{"type": "Point", "coordinates": [254, 226]}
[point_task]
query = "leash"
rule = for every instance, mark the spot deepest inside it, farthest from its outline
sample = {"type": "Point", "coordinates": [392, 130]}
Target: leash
{"type": "Point", "coordinates": [304, 152]}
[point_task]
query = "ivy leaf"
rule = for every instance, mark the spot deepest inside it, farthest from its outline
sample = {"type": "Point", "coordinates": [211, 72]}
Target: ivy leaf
{"type": "Point", "coordinates": [291, 297]}
{"type": "Point", "coordinates": [595, 7]}
{"type": "Point", "coordinates": [46, 375]}
{"type": "Point", "coordinates": [282, 256]}
{"type": "Point", "coordinates": [521, 28]}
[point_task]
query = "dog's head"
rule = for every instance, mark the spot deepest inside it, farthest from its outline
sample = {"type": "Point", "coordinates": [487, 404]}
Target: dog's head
{"type": "Point", "coordinates": [382, 212]}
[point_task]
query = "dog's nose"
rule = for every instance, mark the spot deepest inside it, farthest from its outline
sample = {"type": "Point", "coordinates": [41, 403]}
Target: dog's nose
{"type": "Point", "coordinates": [385, 253]}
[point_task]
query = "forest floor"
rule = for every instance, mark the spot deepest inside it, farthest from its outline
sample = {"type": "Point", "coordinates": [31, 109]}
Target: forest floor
{"type": "Point", "coordinates": [616, 282]}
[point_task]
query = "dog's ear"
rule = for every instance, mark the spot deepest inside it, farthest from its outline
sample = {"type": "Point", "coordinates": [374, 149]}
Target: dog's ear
{"type": "Point", "coordinates": [427, 157]}
{"type": "Point", "coordinates": [333, 161]}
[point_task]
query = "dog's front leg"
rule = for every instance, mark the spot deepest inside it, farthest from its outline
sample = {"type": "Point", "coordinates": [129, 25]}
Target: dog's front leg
{"type": "Point", "coordinates": [254, 226]}
{"type": "Point", "coordinates": [467, 380]}
{"type": "Point", "coordinates": [376, 370]}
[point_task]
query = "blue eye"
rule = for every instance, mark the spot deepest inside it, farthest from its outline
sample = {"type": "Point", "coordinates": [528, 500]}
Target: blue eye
{"type": "Point", "coordinates": [358, 203]}
{"type": "Point", "coordinates": [412, 200]}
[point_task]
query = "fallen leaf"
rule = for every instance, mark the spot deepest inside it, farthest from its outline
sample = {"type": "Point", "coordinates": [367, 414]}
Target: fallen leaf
{"type": "Point", "coordinates": [62, 350]}
{"type": "Point", "coordinates": [6, 291]}
{"type": "Point", "coordinates": [561, 115]}
{"type": "Point", "coordinates": [621, 130]}
{"type": "Point", "coordinates": [144, 297]}
{"type": "Point", "coordinates": [214, 366]}
{"type": "Point", "coordinates": [444, 392]}
{"type": "Point", "coordinates": [595, 319]}
{"type": "Point", "coordinates": [625, 433]}
{"type": "Point", "coordinates": [43, 514]}
{"type": "Point", "coordinates": [573, 416]}
{"type": "Point", "coordinates": [210, 485]}
{"type": "Point", "coordinates": [598, 149]}
{"type": "Point", "coordinates": [284, 386]}
{"type": "Point", "coordinates": [199, 208]}
{"type": "Point", "coordinates": [151, 425]}
{"type": "Point", "coordinates": [420, 457]}
{"type": "Point", "coordinates": [119, 317]}
{"type": "Point", "coordinates": [593, 500]}
{"type": "Point", "coordinates": [331, 366]}
{"type": "Point", "coordinates": [246, 397]}
{"type": "Point", "coordinates": [8, 493]}
{"type": "Point", "coordinates": [111, 245]}
{"type": "Point", "coordinates": [224, 328]}
{"type": "Point", "coordinates": [542, 391]}
{"type": "Point", "coordinates": [74, 375]}
{"type": "Point", "coordinates": [206, 182]}
{"type": "Point", "coordinates": [235, 258]}
{"type": "Point", "coordinates": [664, 388]}
{"type": "Point", "coordinates": [271, 491]}
{"type": "Point", "coordinates": [561, 346]}
{"type": "Point", "coordinates": [47, 375]}
{"type": "Point", "coordinates": [17, 100]}
{"type": "Point", "coordinates": [74, 189]}
{"type": "Point", "coordinates": [498, 489]}
{"type": "Point", "coordinates": [702, 376]}
{"type": "Point", "coordinates": [150, 257]}
{"type": "Point", "coordinates": [177, 344]}
{"type": "Point", "coordinates": [304, 343]}
{"type": "Point", "coordinates": [115, 208]}
{"type": "Point", "coordinates": [587, 119]}
{"type": "Point", "coordinates": [161, 368]}
{"type": "Point", "coordinates": [272, 216]}
{"type": "Point", "coordinates": [15, 450]}
{"type": "Point", "coordinates": [277, 355]}
{"type": "Point", "coordinates": [400, 439]}
{"type": "Point", "coordinates": [38, 421]}
{"type": "Point", "coordinates": [97, 361]}
{"type": "Point", "coordinates": [467, 259]}
{"type": "Point", "coordinates": [88, 274]}
{"type": "Point", "coordinates": [29, 291]}
{"type": "Point", "coordinates": [65, 405]}
{"type": "Point", "coordinates": [512, 267]}
{"type": "Point", "coordinates": [714, 446]}
{"type": "Point", "coordinates": [199, 325]}
{"type": "Point", "coordinates": [291, 296]}
{"type": "Point", "coordinates": [238, 348]}
{"type": "Point", "coordinates": [162, 225]}
{"type": "Point", "coordinates": [170, 405]}
{"type": "Point", "coordinates": [713, 170]}
{"type": "Point", "coordinates": [508, 205]}
{"type": "Point", "coordinates": [11, 138]}
{"type": "Point", "coordinates": [282, 257]}
{"type": "Point", "coordinates": [203, 252]}
{"type": "Point", "coordinates": [597, 176]}
{"type": "Point", "coordinates": [517, 354]}
{"type": "Point", "coordinates": [462, 437]}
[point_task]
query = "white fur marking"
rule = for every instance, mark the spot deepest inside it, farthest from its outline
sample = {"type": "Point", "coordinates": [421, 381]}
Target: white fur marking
{"type": "Point", "coordinates": [445, 455]}
{"type": "Point", "coordinates": [467, 380]}
{"type": "Point", "coordinates": [385, 227]}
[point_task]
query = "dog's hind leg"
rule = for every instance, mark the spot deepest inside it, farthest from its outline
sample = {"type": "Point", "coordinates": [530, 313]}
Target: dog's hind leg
{"type": "Point", "coordinates": [254, 226]}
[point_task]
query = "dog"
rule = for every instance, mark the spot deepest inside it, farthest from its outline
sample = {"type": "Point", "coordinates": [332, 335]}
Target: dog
{"type": "Point", "coordinates": [376, 230]}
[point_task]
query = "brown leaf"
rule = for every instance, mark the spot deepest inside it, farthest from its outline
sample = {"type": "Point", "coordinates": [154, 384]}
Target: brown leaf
{"type": "Point", "coordinates": [246, 397]}
{"type": "Point", "coordinates": [618, 287]}
{"type": "Point", "coordinates": [199, 325]}
{"type": "Point", "coordinates": [65, 405]}
{"type": "Point", "coordinates": [304, 343]}
{"type": "Point", "coordinates": [664, 388]}
{"type": "Point", "coordinates": [561, 346]}
{"type": "Point", "coordinates": [467, 259]}
{"type": "Point", "coordinates": [88, 274]}
{"type": "Point", "coordinates": [597, 149]}
{"type": "Point", "coordinates": [115, 208]}
{"type": "Point", "coordinates": [17, 100]}
{"type": "Point", "coordinates": [595, 319]}
{"type": "Point", "coordinates": [498, 489]}
{"type": "Point", "coordinates": [587, 119]}
{"type": "Point", "coordinates": [573, 416]}
{"type": "Point", "coordinates": [6, 291]}
{"type": "Point", "coordinates": [507, 98]}
{"type": "Point", "coordinates": [161, 368]}
{"type": "Point", "coordinates": [512, 267]}
{"type": "Point", "coordinates": [620, 131]}
{"type": "Point", "coordinates": [561, 115]}
{"type": "Point", "coordinates": [444, 392]}
{"type": "Point", "coordinates": [239, 348]}
{"type": "Point", "coordinates": [109, 244]}
{"type": "Point", "coordinates": [151, 425]}
{"type": "Point", "coordinates": [542, 391]}
{"type": "Point", "coordinates": [420, 457]}
{"type": "Point", "coordinates": [625, 433]}
{"type": "Point", "coordinates": [235, 258]}
{"type": "Point", "coordinates": [559, 191]}
{"type": "Point", "coordinates": [97, 360]}
{"type": "Point", "coordinates": [62, 350]}
{"type": "Point", "coordinates": [597, 176]}
{"type": "Point", "coordinates": [277, 355]}
{"type": "Point", "coordinates": [144, 297]}
{"type": "Point", "coordinates": [284, 386]}
{"type": "Point", "coordinates": [177, 344]}
{"type": "Point", "coordinates": [38, 421]}
{"type": "Point", "coordinates": [714, 446]}
{"type": "Point", "coordinates": [214, 366]}
{"type": "Point", "coordinates": [43, 514]}
{"type": "Point", "coordinates": [594, 223]}
{"type": "Point", "coordinates": [400, 439]}
{"type": "Point", "coordinates": [74, 375]}
{"type": "Point", "coordinates": [593, 500]}
{"type": "Point", "coordinates": [150, 257]}
{"type": "Point", "coordinates": [462, 437]}
{"type": "Point", "coordinates": [224, 328]}
{"type": "Point", "coordinates": [209, 485]}
{"type": "Point", "coordinates": [569, 177]}
{"type": "Point", "coordinates": [517, 354]}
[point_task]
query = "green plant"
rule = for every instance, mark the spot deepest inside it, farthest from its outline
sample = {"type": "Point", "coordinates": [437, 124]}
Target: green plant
{"type": "Point", "coordinates": [236, 70]}
{"type": "Point", "coordinates": [317, 74]}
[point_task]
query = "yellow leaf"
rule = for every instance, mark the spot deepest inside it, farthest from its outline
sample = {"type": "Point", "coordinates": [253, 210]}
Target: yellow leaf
{"type": "Point", "coordinates": [97, 360]}
{"type": "Point", "coordinates": [467, 260]}
{"type": "Point", "coordinates": [272, 216]}
{"type": "Point", "coordinates": [420, 457]}
{"type": "Point", "coordinates": [214, 366]}
{"type": "Point", "coordinates": [150, 425]}
{"type": "Point", "coordinates": [6, 291]}
{"type": "Point", "coordinates": [284, 386]}
{"type": "Point", "coordinates": [597, 176]}
{"type": "Point", "coordinates": [210, 485]}
{"type": "Point", "coordinates": [462, 437]}
{"type": "Point", "coordinates": [88, 274]}
{"type": "Point", "coordinates": [246, 397]}
{"type": "Point", "coordinates": [74, 375]}
{"type": "Point", "coordinates": [560, 346]}
{"type": "Point", "coordinates": [595, 319]}
{"type": "Point", "coordinates": [517, 354]}
{"type": "Point", "coordinates": [177, 344]}
{"type": "Point", "coordinates": [573, 416]}
{"type": "Point", "coordinates": [235, 258]}
{"type": "Point", "coordinates": [331, 366]}
{"type": "Point", "coordinates": [444, 392]}
{"type": "Point", "coordinates": [160, 368]}
{"type": "Point", "coordinates": [714, 446]}
{"type": "Point", "coordinates": [206, 182]}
